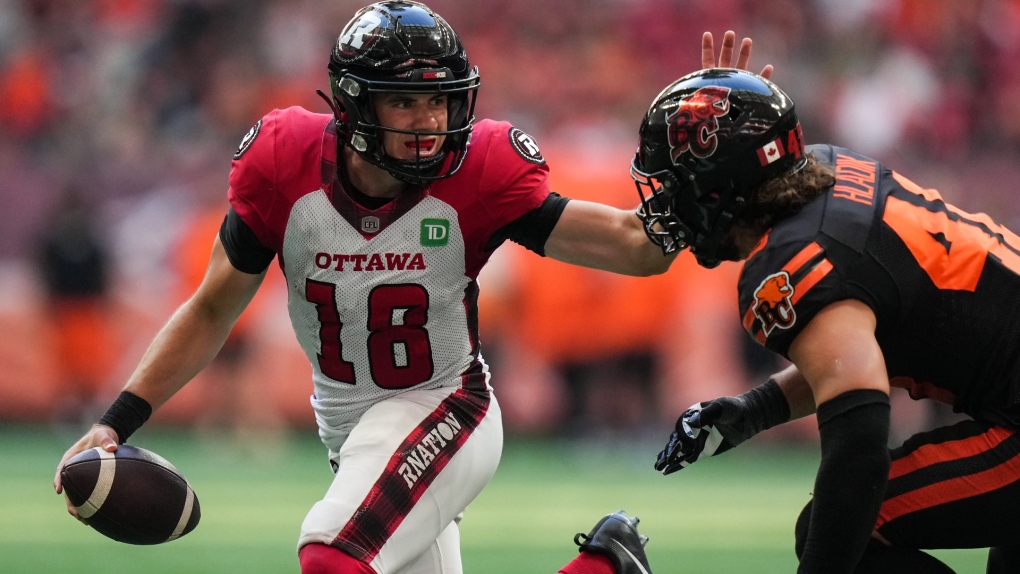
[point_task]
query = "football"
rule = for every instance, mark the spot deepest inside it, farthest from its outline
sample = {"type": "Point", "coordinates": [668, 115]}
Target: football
{"type": "Point", "coordinates": [131, 495]}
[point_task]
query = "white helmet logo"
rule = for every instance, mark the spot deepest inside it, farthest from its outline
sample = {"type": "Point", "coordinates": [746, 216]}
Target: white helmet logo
{"type": "Point", "coordinates": [359, 31]}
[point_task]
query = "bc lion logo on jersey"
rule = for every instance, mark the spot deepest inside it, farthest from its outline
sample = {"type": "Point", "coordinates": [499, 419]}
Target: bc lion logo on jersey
{"type": "Point", "coordinates": [693, 125]}
{"type": "Point", "coordinates": [773, 303]}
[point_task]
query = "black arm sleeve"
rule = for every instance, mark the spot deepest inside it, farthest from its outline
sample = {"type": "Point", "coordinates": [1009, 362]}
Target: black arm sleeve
{"type": "Point", "coordinates": [532, 229]}
{"type": "Point", "coordinates": [244, 250]}
{"type": "Point", "coordinates": [850, 486]}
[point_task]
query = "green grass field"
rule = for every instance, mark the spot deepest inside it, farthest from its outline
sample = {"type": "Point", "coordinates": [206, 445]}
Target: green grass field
{"type": "Point", "coordinates": [732, 514]}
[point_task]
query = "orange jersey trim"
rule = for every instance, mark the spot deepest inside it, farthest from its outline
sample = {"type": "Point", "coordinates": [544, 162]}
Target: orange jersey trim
{"type": "Point", "coordinates": [801, 258]}
{"type": "Point", "coordinates": [928, 455]}
{"type": "Point", "coordinates": [801, 287]}
{"type": "Point", "coordinates": [810, 280]}
{"type": "Point", "coordinates": [761, 245]}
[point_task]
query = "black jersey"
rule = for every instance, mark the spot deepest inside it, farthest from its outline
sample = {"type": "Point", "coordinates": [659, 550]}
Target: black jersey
{"type": "Point", "coordinates": [944, 284]}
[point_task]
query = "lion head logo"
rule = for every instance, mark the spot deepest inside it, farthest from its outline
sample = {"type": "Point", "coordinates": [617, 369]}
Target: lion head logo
{"type": "Point", "coordinates": [772, 303]}
{"type": "Point", "coordinates": [693, 125]}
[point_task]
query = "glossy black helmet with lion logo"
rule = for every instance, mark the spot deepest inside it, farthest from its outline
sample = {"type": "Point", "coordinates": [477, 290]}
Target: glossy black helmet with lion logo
{"type": "Point", "coordinates": [401, 47]}
{"type": "Point", "coordinates": [708, 142]}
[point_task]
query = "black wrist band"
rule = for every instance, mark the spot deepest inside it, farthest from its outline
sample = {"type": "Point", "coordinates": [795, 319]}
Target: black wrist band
{"type": "Point", "coordinates": [767, 406]}
{"type": "Point", "coordinates": [126, 415]}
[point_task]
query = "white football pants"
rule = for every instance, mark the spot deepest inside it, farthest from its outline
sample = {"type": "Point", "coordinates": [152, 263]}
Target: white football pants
{"type": "Point", "coordinates": [409, 468]}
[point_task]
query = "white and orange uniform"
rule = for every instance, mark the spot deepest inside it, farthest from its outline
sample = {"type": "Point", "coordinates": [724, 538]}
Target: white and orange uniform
{"type": "Point", "coordinates": [384, 304]}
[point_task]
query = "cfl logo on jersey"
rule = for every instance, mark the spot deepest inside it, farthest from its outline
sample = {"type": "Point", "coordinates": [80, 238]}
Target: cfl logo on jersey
{"type": "Point", "coordinates": [420, 456]}
{"type": "Point", "coordinates": [773, 303]}
{"type": "Point", "coordinates": [370, 224]}
{"type": "Point", "coordinates": [435, 232]}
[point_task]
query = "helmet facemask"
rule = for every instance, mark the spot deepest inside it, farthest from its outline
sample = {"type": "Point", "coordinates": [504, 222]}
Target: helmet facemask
{"type": "Point", "coordinates": [678, 213]}
{"type": "Point", "coordinates": [663, 227]}
{"type": "Point", "coordinates": [362, 132]}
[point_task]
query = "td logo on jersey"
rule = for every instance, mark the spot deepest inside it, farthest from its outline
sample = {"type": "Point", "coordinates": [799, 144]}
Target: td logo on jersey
{"type": "Point", "coordinates": [435, 232]}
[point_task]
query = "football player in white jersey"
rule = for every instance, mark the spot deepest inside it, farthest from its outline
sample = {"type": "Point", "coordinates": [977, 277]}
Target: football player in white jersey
{"type": "Point", "coordinates": [381, 216]}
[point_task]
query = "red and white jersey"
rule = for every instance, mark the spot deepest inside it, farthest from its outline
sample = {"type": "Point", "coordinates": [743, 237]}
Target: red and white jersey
{"type": "Point", "coordinates": [381, 300]}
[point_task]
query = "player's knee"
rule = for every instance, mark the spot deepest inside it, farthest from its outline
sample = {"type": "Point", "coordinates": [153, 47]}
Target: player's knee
{"type": "Point", "coordinates": [801, 530]}
{"type": "Point", "coordinates": [323, 559]}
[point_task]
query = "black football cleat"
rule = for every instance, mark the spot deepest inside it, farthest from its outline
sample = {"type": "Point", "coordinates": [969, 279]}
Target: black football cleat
{"type": "Point", "coordinates": [616, 536]}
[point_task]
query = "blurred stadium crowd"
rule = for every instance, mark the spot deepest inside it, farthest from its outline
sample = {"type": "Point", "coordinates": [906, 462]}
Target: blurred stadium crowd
{"type": "Point", "coordinates": [118, 119]}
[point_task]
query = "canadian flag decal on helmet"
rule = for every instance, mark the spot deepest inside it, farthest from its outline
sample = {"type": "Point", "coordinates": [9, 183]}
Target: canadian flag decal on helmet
{"type": "Point", "coordinates": [771, 151]}
{"type": "Point", "coordinates": [693, 125]}
{"type": "Point", "coordinates": [776, 149]}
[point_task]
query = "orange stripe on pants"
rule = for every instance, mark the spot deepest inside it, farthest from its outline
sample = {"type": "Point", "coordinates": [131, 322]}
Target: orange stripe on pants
{"type": "Point", "coordinates": [954, 489]}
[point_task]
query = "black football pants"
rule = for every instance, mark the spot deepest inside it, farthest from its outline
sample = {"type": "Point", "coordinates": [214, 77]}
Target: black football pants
{"type": "Point", "coordinates": [952, 487]}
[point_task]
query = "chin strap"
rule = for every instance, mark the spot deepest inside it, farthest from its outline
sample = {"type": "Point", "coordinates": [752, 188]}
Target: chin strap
{"type": "Point", "coordinates": [343, 135]}
{"type": "Point", "coordinates": [329, 102]}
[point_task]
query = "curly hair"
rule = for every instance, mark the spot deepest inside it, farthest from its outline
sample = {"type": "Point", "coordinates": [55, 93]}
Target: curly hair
{"type": "Point", "coordinates": [782, 197]}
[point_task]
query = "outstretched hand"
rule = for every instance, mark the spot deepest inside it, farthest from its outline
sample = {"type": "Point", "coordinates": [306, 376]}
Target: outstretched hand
{"type": "Point", "coordinates": [726, 53]}
{"type": "Point", "coordinates": [708, 429]}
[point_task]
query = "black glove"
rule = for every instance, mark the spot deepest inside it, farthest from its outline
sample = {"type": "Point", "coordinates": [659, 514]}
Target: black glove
{"type": "Point", "coordinates": [718, 425]}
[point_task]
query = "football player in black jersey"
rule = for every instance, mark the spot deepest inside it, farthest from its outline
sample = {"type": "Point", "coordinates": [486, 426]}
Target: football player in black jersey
{"type": "Point", "coordinates": [865, 281]}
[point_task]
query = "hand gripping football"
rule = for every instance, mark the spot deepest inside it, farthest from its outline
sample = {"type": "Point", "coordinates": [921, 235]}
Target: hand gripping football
{"type": "Point", "coordinates": [131, 495]}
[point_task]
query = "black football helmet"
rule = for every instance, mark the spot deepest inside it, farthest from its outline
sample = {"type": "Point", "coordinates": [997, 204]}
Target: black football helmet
{"type": "Point", "coordinates": [708, 143]}
{"type": "Point", "coordinates": [401, 47]}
